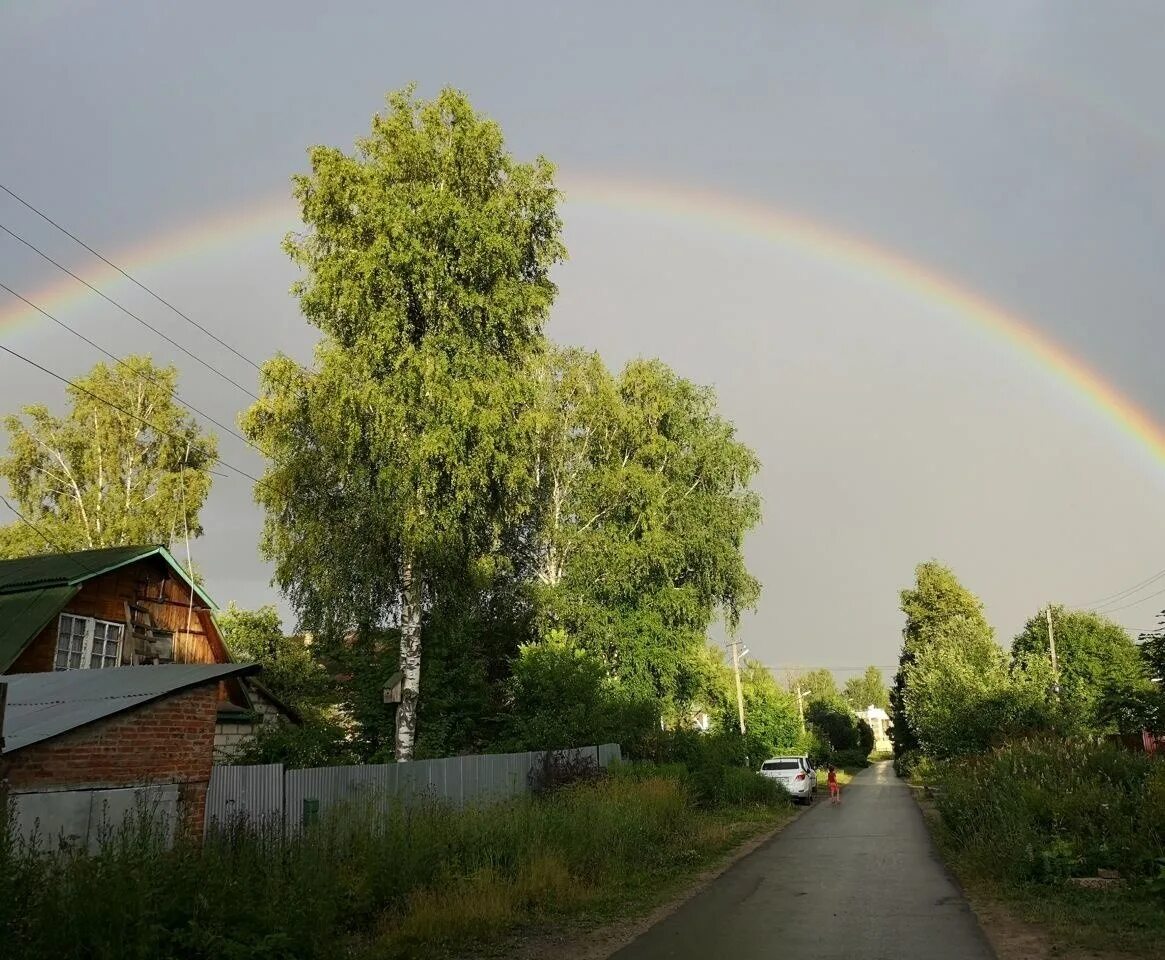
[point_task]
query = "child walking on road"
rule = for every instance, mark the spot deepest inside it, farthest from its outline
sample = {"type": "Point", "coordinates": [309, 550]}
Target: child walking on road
{"type": "Point", "coordinates": [834, 786]}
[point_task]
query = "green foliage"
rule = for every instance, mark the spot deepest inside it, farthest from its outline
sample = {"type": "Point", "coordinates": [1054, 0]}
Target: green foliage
{"type": "Point", "coordinates": [819, 684]}
{"type": "Point", "coordinates": [958, 694]}
{"type": "Point", "coordinates": [867, 690]}
{"type": "Point", "coordinates": [401, 882]}
{"type": "Point", "coordinates": [562, 696]}
{"type": "Point", "coordinates": [771, 714]}
{"type": "Point", "coordinates": [835, 724]}
{"type": "Point", "coordinates": [645, 501]}
{"type": "Point", "coordinates": [291, 669]}
{"type": "Point", "coordinates": [1097, 660]}
{"type": "Point", "coordinates": [427, 261]}
{"type": "Point", "coordinates": [719, 767]}
{"type": "Point", "coordinates": [936, 600]}
{"type": "Point", "coordinates": [99, 476]}
{"type": "Point", "coordinates": [1042, 809]}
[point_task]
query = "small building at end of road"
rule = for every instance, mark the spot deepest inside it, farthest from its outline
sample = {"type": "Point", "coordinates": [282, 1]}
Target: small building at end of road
{"type": "Point", "coordinates": [86, 749]}
{"type": "Point", "coordinates": [879, 721]}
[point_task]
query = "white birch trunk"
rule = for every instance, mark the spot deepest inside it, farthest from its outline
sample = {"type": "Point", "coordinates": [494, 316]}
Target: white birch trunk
{"type": "Point", "coordinates": [410, 663]}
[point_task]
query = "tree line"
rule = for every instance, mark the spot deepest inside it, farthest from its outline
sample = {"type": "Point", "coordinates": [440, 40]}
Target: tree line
{"type": "Point", "coordinates": [957, 692]}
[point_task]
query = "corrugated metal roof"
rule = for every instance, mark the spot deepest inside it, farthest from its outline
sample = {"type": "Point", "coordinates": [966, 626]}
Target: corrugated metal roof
{"type": "Point", "coordinates": [58, 569]}
{"type": "Point", "coordinates": [24, 615]}
{"type": "Point", "coordinates": [54, 569]}
{"type": "Point", "coordinates": [44, 705]}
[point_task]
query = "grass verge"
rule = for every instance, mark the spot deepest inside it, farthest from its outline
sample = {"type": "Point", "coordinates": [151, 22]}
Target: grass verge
{"type": "Point", "coordinates": [1019, 824]}
{"type": "Point", "coordinates": [381, 881]}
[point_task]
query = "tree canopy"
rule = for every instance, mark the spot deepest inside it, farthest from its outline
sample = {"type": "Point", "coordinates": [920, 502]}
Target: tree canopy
{"type": "Point", "coordinates": [868, 689]}
{"type": "Point", "coordinates": [645, 503]}
{"type": "Point", "coordinates": [935, 602]}
{"type": "Point", "coordinates": [1095, 656]}
{"type": "Point", "coordinates": [125, 465]}
{"type": "Point", "coordinates": [427, 260]}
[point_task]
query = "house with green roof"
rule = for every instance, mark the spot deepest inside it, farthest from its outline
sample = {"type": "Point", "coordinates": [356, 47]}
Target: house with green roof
{"type": "Point", "coordinates": [116, 607]}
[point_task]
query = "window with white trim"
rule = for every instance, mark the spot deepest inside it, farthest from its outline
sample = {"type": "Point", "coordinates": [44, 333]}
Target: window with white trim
{"type": "Point", "coordinates": [84, 643]}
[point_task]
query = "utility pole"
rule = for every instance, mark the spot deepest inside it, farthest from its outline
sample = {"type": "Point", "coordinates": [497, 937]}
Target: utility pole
{"type": "Point", "coordinates": [739, 690]}
{"type": "Point", "coordinates": [1052, 650]}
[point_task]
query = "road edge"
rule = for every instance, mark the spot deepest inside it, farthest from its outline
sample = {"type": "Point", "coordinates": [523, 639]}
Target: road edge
{"type": "Point", "coordinates": [604, 940]}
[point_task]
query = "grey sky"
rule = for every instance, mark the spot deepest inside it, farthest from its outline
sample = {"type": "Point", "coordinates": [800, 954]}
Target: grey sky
{"type": "Point", "coordinates": [1017, 148]}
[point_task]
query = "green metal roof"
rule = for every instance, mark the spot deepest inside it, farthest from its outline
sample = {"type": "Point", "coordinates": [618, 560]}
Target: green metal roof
{"type": "Point", "coordinates": [73, 569]}
{"type": "Point", "coordinates": [34, 589]}
{"type": "Point", "coordinates": [24, 615]}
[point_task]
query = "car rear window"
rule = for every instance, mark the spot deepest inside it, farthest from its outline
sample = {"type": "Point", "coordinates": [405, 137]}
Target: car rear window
{"type": "Point", "coordinates": [781, 765]}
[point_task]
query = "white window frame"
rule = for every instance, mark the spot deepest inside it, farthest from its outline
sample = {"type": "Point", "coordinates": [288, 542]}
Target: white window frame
{"type": "Point", "coordinates": [87, 646]}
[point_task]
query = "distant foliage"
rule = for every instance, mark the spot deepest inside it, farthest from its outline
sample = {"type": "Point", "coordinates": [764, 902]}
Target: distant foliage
{"type": "Point", "coordinates": [127, 464]}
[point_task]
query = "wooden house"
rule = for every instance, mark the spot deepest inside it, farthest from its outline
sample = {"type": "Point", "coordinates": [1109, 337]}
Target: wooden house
{"type": "Point", "coordinates": [121, 606]}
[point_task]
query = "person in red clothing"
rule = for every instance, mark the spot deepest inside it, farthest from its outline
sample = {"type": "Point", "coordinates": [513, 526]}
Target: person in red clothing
{"type": "Point", "coordinates": [834, 786]}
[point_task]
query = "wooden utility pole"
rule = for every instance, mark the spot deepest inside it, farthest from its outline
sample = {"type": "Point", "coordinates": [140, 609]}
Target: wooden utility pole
{"type": "Point", "coordinates": [1052, 650]}
{"type": "Point", "coordinates": [739, 689]}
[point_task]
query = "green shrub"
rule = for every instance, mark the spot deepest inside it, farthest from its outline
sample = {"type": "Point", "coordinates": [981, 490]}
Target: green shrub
{"type": "Point", "coordinates": [851, 759]}
{"type": "Point", "coordinates": [1039, 810]}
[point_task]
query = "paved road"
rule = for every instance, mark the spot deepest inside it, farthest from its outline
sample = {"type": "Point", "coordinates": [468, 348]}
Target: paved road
{"type": "Point", "coordinates": [861, 881]}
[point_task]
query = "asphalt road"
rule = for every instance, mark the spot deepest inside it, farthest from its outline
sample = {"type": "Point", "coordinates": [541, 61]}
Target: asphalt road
{"type": "Point", "coordinates": [861, 881]}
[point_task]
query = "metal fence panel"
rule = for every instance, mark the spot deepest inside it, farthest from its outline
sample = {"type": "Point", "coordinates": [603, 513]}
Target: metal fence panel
{"type": "Point", "coordinates": [88, 818]}
{"type": "Point", "coordinates": [253, 794]}
{"type": "Point", "coordinates": [303, 796]}
{"type": "Point", "coordinates": [609, 753]}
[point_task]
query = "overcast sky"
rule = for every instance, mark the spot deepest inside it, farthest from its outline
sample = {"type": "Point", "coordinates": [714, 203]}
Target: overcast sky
{"type": "Point", "coordinates": [1015, 148]}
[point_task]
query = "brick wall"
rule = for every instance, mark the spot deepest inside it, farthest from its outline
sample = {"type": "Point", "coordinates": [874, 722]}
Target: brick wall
{"type": "Point", "coordinates": [166, 741]}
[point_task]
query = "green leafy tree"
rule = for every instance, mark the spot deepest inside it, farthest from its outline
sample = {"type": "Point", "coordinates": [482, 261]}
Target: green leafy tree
{"type": "Point", "coordinates": [125, 465]}
{"type": "Point", "coordinates": [403, 450]}
{"type": "Point", "coordinates": [291, 669]}
{"type": "Point", "coordinates": [867, 690]}
{"type": "Point", "coordinates": [561, 695]}
{"type": "Point", "coordinates": [819, 685]}
{"type": "Point", "coordinates": [936, 600]}
{"type": "Point", "coordinates": [1096, 658]}
{"type": "Point", "coordinates": [645, 504]}
{"type": "Point", "coordinates": [957, 693]}
{"type": "Point", "coordinates": [771, 714]}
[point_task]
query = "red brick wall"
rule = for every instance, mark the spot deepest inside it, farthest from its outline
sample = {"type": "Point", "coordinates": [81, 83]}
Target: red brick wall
{"type": "Point", "coordinates": [166, 741]}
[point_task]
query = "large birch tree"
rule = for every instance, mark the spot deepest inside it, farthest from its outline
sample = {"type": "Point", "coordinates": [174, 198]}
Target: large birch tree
{"type": "Point", "coordinates": [426, 260]}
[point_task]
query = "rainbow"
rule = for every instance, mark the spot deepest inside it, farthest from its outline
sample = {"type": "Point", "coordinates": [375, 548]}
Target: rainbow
{"type": "Point", "coordinates": [687, 205]}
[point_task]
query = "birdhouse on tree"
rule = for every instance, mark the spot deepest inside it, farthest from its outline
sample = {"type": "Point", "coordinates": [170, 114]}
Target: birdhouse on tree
{"type": "Point", "coordinates": [393, 688]}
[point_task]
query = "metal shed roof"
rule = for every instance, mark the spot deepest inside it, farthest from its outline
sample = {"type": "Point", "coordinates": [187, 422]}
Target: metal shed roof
{"type": "Point", "coordinates": [24, 615]}
{"type": "Point", "coordinates": [44, 705]}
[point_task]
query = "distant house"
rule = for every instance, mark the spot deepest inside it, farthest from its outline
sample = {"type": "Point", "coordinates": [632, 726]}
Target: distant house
{"type": "Point", "coordinates": [879, 721]}
{"type": "Point", "coordinates": [119, 607]}
{"type": "Point", "coordinates": [85, 750]}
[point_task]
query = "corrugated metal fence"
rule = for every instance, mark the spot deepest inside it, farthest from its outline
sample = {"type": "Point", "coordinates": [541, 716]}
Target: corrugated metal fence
{"type": "Point", "coordinates": [269, 793]}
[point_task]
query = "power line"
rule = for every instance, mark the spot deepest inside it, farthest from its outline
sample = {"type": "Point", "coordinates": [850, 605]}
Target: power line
{"type": "Point", "coordinates": [1134, 603]}
{"type": "Point", "coordinates": [120, 362]}
{"type": "Point", "coordinates": [133, 316]}
{"type": "Point", "coordinates": [132, 279]}
{"type": "Point", "coordinates": [1121, 594]}
{"type": "Point", "coordinates": [128, 413]}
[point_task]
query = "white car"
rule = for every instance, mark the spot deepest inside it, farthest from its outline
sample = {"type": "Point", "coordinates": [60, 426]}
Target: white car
{"type": "Point", "coordinates": [795, 774]}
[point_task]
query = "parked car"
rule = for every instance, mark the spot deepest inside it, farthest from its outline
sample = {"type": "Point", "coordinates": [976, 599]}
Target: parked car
{"type": "Point", "coordinates": [795, 774]}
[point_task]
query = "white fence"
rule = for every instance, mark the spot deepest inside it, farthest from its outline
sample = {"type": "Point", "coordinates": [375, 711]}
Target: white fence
{"type": "Point", "coordinates": [269, 793]}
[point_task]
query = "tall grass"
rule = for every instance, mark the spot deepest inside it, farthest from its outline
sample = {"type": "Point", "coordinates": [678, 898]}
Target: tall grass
{"type": "Point", "coordinates": [1042, 810]}
{"type": "Point", "coordinates": [380, 881]}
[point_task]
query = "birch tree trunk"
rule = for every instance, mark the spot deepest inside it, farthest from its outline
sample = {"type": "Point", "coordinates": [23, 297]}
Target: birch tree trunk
{"type": "Point", "coordinates": [410, 663]}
